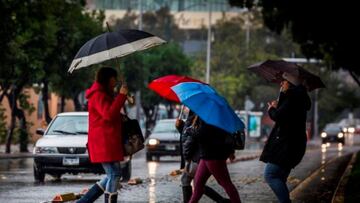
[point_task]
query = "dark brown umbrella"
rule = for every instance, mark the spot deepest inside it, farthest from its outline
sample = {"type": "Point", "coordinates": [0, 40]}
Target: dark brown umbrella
{"type": "Point", "coordinates": [272, 71]}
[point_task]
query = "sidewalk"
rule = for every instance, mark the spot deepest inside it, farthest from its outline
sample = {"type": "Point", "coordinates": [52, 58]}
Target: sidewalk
{"type": "Point", "coordinates": [15, 154]}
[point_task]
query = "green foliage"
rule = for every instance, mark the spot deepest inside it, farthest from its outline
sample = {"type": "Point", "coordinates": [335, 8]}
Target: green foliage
{"type": "Point", "coordinates": [316, 32]}
{"type": "Point", "coordinates": [337, 97]}
{"type": "Point", "coordinates": [231, 55]}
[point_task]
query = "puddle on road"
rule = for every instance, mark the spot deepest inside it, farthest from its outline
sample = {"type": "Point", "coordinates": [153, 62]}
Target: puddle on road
{"type": "Point", "coordinates": [15, 164]}
{"type": "Point", "coordinates": [324, 150]}
{"type": "Point", "coordinates": [152, 167]}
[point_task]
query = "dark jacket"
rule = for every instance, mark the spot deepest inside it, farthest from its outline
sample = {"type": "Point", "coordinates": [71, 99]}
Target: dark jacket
{"type": "Point", "coordinates": [189, 150]}
{"type": "Point", "coordinates": [287, 141]}
{"type": "Point", "coordinates": [212, 142]}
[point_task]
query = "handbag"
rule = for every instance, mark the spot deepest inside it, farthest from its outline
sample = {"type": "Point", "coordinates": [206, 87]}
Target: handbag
{"type": "Point", "coordinates": [236, 140]}
{"type": "Point", "coordinates": [133, 139]}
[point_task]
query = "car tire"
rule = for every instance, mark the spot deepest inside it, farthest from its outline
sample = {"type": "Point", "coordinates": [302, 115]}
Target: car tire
{"type": "Point", "coordinates": [39, 175]}
{"type": "Point", "coordinates": [126, 172]}
{"type": "Point", "coordinates": [57, 176]}
{"type": "Point", "coordinates": [157, 158]}
{"type": "Point", "coordinates": [148, 157]}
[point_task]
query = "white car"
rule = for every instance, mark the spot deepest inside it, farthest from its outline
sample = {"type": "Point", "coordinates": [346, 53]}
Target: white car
{"type": "Point", "coordinates": [62, 149]}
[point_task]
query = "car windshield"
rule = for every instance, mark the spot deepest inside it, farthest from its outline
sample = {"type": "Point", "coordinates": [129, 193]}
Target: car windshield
{"type": "Point", "coordinates": [69, 125]}
{"type": "Point", "coordinates": [165, 127]}
{"type": "Point", "coordinates": [332, 129]}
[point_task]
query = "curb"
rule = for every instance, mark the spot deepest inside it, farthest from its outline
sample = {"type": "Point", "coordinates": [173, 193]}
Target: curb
{"type": "Point", "coordinates": [339, 194]}
{"type": "Point", "coordinates": [299, 188]}
{"type": "Point", "coordinates": [16, 156]}
{"type": "Point", "coordinates": [244, 158]}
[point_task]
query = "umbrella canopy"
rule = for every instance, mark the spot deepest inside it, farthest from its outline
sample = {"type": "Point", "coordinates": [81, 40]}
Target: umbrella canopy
{"type": "Point", "coordinates": [208, 105]}
{"type": "Point", "coordinates": [112, 45]}
{"type": "Point", "coordinates": [162, 85]}
{"type": "Point", "coordinates": [272, 71]}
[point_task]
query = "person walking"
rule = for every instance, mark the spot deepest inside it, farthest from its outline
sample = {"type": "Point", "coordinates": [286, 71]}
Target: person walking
{"type": "Point", "coordinates": [214, 151]}
{"type": "Point", "coordinates": [190, 157]}
{"type": "Point", "coordinates": [286, 144]}
{"type": "Point", "coordinates": [104, 137]}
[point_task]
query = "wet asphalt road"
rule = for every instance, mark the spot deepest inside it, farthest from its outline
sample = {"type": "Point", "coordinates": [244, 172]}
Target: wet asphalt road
{"type": "Point", "coordinates": [17, 183]}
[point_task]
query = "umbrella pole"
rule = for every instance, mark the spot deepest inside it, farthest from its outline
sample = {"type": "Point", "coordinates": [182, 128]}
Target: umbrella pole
{"type": "Point", "coordinates": [130, 98]}
{"type": "Point", "coordinates": [181, 111]}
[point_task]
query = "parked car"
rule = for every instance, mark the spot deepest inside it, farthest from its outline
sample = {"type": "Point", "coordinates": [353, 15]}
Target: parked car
{"type": "Point", "coordinates": [163, 141]}
{"type": "Point", "coordinates": [62, 148]}
{"type": "Point", "coordinates": [333, 133]}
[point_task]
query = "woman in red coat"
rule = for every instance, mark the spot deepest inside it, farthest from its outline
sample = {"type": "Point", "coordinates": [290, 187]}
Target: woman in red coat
{"type": "Point", "coordinates": [104, 139]}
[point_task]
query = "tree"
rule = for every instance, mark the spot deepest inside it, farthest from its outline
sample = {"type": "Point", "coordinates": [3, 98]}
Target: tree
{"type": "Point", "coordinates": [324, 29]}
{"type": "Point", "coordinates": [76, 27]}
{"type": "Point", "coordinates": [142, 68]}
{"type": "Point", "coordinates": [232, 52]}
{"type": "Point", "coordinates": [37, 44]}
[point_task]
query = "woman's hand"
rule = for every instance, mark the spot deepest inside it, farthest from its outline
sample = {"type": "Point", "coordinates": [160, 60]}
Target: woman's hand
{"type": "Point", "coordinates": [272, 104]}
{"type": "Point", "coordinates": [232, 157]}
{"type": "Point", "coordinates": [124, 89]}
{"type": "Point", "coordinates": [179, 123]}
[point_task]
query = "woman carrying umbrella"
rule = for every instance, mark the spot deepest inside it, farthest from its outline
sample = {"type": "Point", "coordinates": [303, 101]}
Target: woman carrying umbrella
{"type": "Point", "coordinates": [104, 139]}
{"type": "Point", "coordinates": [191, 155]}
{"type": "Point", "coordinates": [214, 151]}
{"type": "Point", "coordinates": [286, 144]}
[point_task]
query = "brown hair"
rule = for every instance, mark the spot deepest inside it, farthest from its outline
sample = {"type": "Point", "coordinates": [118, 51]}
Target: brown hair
{"type": "Point", "coordinates": [103, 76]}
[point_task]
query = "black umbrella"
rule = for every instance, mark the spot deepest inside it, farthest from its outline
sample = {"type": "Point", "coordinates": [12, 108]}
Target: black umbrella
{"type": "Point", "coordinates": [272, 71]}
{"type": "Point", "coordinates": [112, 45]}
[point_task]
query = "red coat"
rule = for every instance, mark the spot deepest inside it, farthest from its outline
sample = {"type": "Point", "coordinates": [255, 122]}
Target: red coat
{"type": "Point", "coordinates": [104, 139]}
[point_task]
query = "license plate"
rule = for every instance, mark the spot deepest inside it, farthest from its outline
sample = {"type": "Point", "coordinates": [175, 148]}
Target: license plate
{"type": "Point", "coordinates": [170, 147]}
{"type": "Point", "coordinates": [73, 161]}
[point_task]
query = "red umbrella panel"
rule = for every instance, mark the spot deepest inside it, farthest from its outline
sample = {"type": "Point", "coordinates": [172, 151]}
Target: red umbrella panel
{"type": "Point", "coordinates": [162, 85]}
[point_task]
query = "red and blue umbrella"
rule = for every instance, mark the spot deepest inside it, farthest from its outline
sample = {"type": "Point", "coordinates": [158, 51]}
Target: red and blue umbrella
{"type": "Point", "coordinates": [212, 108]}
{"type": "Point", "coordinates": [162, 85]}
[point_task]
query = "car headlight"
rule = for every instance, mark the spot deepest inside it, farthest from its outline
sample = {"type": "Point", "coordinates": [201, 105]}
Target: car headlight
{"type": "Point", "coordinates": [323, 134]}
{"type": "Point", "coordinates": [340, 135]}
{"type": "Point", "coordinates": [351, 130]}
{"type": "Point", "coordinates": [45, 150]}
{"type": "Point", "coordinates": [154, 141]}
{"type": "Point", "coordinates": [345, 130]}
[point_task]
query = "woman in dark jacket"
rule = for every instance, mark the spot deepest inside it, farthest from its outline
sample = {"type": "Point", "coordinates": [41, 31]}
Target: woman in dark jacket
{"type": "Point", "coordinates": [214, 151]}
{"type": "Point", "coordinates": [190, 157]}
{"type": "Point", "coordinates": [286, 144]}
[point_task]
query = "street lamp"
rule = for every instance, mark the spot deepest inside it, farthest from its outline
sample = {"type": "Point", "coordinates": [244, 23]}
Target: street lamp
{"type": "Point", "coordinates": [208, 50]}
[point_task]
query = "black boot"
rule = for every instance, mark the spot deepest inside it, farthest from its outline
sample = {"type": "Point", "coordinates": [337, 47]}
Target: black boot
{"type": "Point", "coordinates": [187, 192]}
{"type": "Point", "coordinates": [111, 197]}
{"type": "Point", "coordinates": [212, 194]}
{"type": "Point", "coordinates": [93, 194]}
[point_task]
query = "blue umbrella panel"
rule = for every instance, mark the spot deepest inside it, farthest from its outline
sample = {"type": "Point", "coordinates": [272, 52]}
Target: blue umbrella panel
{"type": "Point", "coordinates": [208, 105]}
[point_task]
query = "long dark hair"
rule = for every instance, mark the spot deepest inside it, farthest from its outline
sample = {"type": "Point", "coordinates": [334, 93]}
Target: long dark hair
{"type": "Point", "coordinates": [103, 76]}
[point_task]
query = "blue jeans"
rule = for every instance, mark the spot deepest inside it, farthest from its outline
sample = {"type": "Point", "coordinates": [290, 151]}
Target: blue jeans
{"type": "Point", "coordinates": [276, 178]}
{"type": "Point", "coordinates": [110, 183]}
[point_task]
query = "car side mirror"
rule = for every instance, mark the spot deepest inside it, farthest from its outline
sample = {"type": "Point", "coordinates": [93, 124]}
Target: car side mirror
{"type": "Point", "coordinates": [40, 131]}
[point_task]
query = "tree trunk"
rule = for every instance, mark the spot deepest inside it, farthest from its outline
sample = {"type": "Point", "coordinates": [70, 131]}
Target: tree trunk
{"type": "Point", "coordinates": [77, 102]}
{"type": "Point", "coordinates": [12, 102]}
{"type": "Point", "coordinates": [170, 110]}
{"type": "Point", "coordinates": [62, 108]}
{"type": "Point", "coordinates": [355, 76]}
{"type": "Point", "coordinates": [45, 97]}
{"type": "Point", "coordinates": [24, 136]}
{"type": "Point", "coordinates": [150, 118]}
{"type": "Point", "coordinates": [10, 133]}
